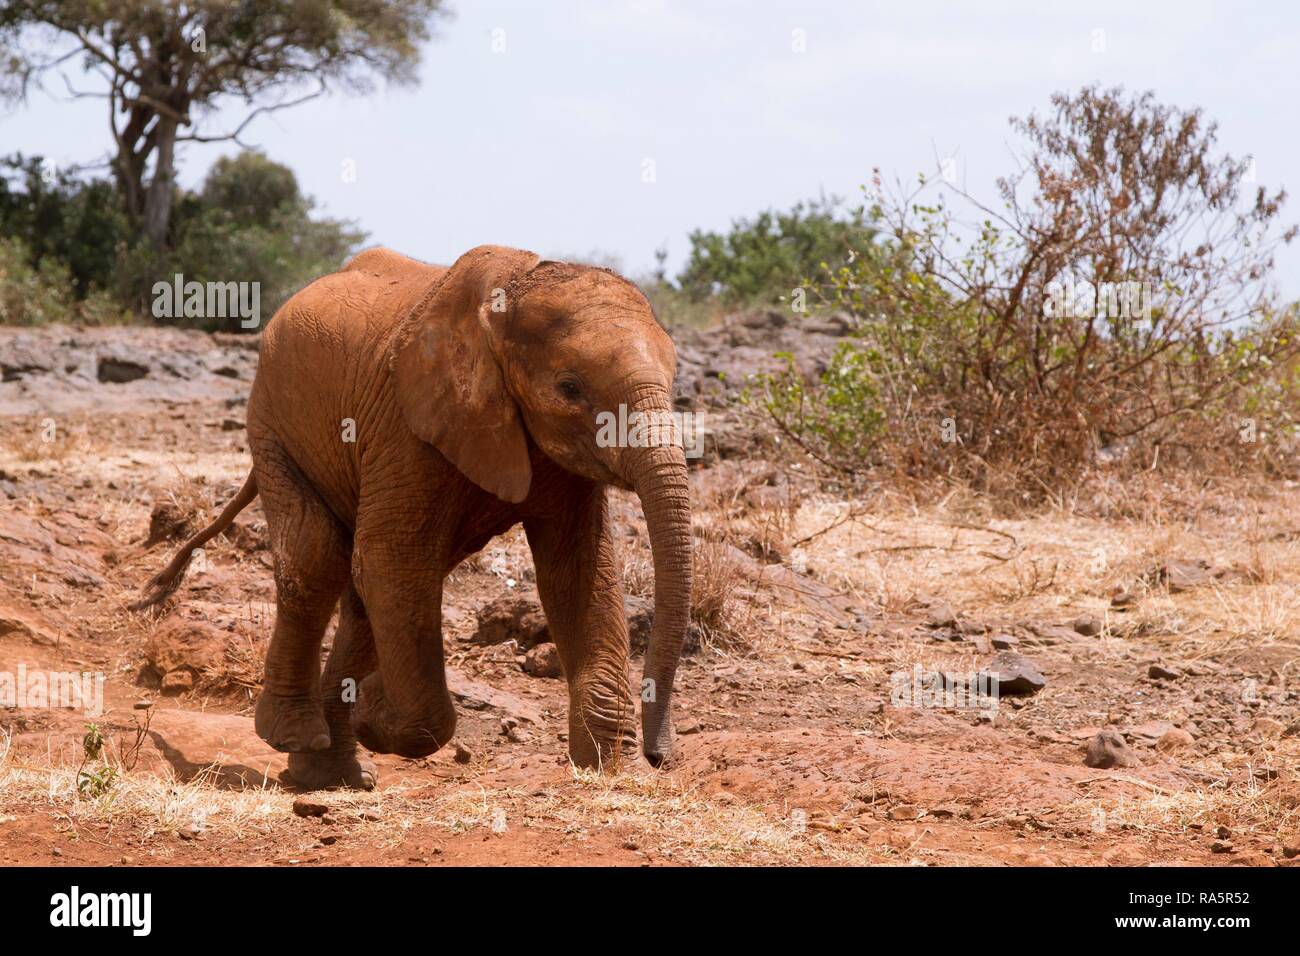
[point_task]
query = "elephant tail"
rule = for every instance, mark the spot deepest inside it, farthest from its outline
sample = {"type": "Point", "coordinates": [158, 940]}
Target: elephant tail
{"type": "Point", "coordinates": [166, 581]}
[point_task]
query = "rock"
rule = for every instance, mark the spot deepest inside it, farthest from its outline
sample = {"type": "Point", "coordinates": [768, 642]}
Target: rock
{"type": "Point", "coordinates": [16, 624]}
{"type": "Point", "coordinates": [167, 523]}
{"type": "Point", "coordinates": [688, 726]}
{"type": "Point", "coordinates": [1049, 635]}
{"type": "Point", "coordinates": [177, 682]}
{"type": "Point", "coordinates": [181, 650]}
{"type": "Point", "coordinates": [543, 661]}
{"type": "Point", "coordinates": [1004, 642]}
{"type": "Point", "coordinates": [940, 615]}
{"type": "Point", "coordinates": [1123, 597]}
{"type": "Point", "coordinates": [1160, 672]}
{"type": "Point", "coordinates": [514, 617]}
{"type": "Point", "coordinates": [1013, 674]}
{"type": "Point", "coordinates": [1268, 727]}
{"type": "Point", "coordinates": [1087, 624]}
{"type": "Point", "coordinates": [309, 807]}
{"type": "Point", "coordinates": [1184, 575]}
{"type": "Point", "coordinates": [1108, 749]}
{"type": "Point", "coordinates": [476, 695]}
{"type": "Point", "coordinates": [231, 425]}
{"type": "Point", "coordinates": [1174, 740]}
{"type": "Point", "coordinates": [904, 811]}
{"type": "Point", "coordinates": [222, 749]}
{"type": "Point", "coordinates": [118, 371]}
{"type": "Point", "coordinates": [463, 753]}
{"type": "Point", "coordinates": [1222, 846]}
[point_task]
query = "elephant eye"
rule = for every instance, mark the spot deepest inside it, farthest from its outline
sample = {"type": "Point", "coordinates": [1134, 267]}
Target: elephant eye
{"type": "Point", "coordinates": [570, 389]}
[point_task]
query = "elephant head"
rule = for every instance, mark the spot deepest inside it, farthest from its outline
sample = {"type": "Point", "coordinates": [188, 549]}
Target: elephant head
{"type": "Point", "coordinates": [504, 348]}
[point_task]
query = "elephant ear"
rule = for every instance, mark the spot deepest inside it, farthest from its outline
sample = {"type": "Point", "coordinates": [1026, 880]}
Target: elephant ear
{"type": "Point", "coordinates": [449, 384]}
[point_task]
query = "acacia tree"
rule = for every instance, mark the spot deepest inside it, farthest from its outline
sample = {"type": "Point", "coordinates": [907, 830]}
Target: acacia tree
{"type": "Point", "coordinates": [166, 66]}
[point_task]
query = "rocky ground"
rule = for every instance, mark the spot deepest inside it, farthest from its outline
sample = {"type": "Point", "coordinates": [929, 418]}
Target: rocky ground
{"type": "Point", "coordinates": [1143, 643]}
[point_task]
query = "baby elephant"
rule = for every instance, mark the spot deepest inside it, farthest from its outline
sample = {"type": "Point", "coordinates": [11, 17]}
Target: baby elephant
{"type": "Point", "coordinates": [402, 416]}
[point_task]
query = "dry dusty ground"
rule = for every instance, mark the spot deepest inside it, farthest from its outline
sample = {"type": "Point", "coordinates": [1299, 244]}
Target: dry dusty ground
{"type": "Point", "coordinates": [792, 748]}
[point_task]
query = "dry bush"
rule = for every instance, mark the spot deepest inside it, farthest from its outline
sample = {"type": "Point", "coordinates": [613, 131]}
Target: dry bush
{"type": "Point", "coordinates": [1113, 311]}
{"type": "Point", "coordinates": [715, 605]}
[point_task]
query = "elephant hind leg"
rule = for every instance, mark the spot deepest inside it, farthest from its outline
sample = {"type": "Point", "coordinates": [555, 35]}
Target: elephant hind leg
{"type": "Point", "coordinates": [351, 660]}
{"type": "Point", "coordinates": [404, 707]}
{"type": "Point", "coordinates": [311, 552]}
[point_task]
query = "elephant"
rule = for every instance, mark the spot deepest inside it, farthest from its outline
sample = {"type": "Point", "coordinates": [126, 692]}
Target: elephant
{"type": "Point", "coordinates": [401, 417]}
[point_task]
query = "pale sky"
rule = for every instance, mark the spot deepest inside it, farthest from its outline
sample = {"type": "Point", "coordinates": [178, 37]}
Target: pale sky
{"type": "Point", "coordinates": [544, 145]}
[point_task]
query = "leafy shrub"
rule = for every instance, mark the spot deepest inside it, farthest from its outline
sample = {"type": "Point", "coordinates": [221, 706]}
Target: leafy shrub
{"type": "Point", "coordinates": [32, 295]}
{"type": "Point", "coordinates": [761, 260]}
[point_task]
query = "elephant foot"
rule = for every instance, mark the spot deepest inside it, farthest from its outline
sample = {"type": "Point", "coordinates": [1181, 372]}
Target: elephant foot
{"type": "Point", "coordinates": [291, 724]}
{"type": "Point", "coordinates": [322, 771]}
{"type": "Point", "coordinates": [382, 729]}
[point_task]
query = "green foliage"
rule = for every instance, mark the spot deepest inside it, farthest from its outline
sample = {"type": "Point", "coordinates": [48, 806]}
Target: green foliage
{"type": "Point", "coordinates": [60, 218]}
{"type": "Point", "coordinates": [250, 223]}
{"type": "Point", "coordinates": [32, 295]}
{"type": "Point", "coordinates": [95, 783]}
{"type": "Point", "coordinates": [67, 253]}
{"type": "Point", "coordinates": [761, 260]}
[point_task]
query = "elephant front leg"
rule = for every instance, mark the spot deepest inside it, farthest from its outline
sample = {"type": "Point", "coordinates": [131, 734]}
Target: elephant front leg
{"type": "Point", "coordinates": [579, 582]}
{"type": "Point", "coordinates": [404, 707]}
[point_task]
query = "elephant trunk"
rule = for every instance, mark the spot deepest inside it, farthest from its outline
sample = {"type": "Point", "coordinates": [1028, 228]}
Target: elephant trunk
{"type": "Point", "coordinates": [658, 474]}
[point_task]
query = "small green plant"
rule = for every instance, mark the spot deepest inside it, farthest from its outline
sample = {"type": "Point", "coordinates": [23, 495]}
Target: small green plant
{"type": "Point", "coordinates": [93, 784]}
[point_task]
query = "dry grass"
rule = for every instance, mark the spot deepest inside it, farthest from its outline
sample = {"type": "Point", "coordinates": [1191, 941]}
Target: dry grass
{"type": "Point", "coordinates": [639, 808]}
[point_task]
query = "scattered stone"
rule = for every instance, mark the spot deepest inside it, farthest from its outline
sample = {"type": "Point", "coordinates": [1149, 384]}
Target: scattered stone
{"type": "Point", "coordinates": [1087, 624]}
{"type": "Point", "coordinates": [1184, 575]}
{"type": "Point", "coordinates": [1004, 642]}
{"type": "Point", "coordinates": [20, 625]}
{"type": "Point", "coordinates": [329, 839]}
{"type": "Point", "coordinates": [689, 726]}
{"type": "Point", "coordinates": [180, 650]}
{"type": "Point", "coordinates": [1013, 674]}
{"type": "Point", "coordinates": [1268, 727]}
{"type": "Point", "coordinates": [370, 816]}
{"type": "Point", "coordinates": [1160, 672]}
{"type": "Point", "coordinates": [543, 661]}
{"type": "Point", "coordinates": [309, 807]}
{"type": "Point", "coordinates": [1123, 597]}
{"type": "Point", "coordinates": [231, 425]}
{"type": "Point", "coordinates": [1174, 740]}
{"type": "Point", "coordinates": [1108, 749]}
{"type": "Point", "coordinates": [1291, 852]}
{"type": "Point", "coordinates": [941, 615]}
{"type": "Point", "coordinates": [167, 522]}
{"type": "Point", "coordinates": [188, 833]}
{"type": "Point", "coordinates": [142, 705]}
{"type": "Point", "coordinates": [1222, 846]}
{"type": "Point", "coordinates": [117, 371]}
{"type": "Point", "coordinates": [463, 753]}
{"type": "Point", "coordinates": [904, 811]}
{"type": "Point", "coordinates": [177, 682]}
{"type": "Point", "coordinates": [514, 617]}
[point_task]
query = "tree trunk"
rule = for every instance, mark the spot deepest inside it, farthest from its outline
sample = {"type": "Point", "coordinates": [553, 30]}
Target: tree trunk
{"type": "Point", "coordinates": [158, 201]}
